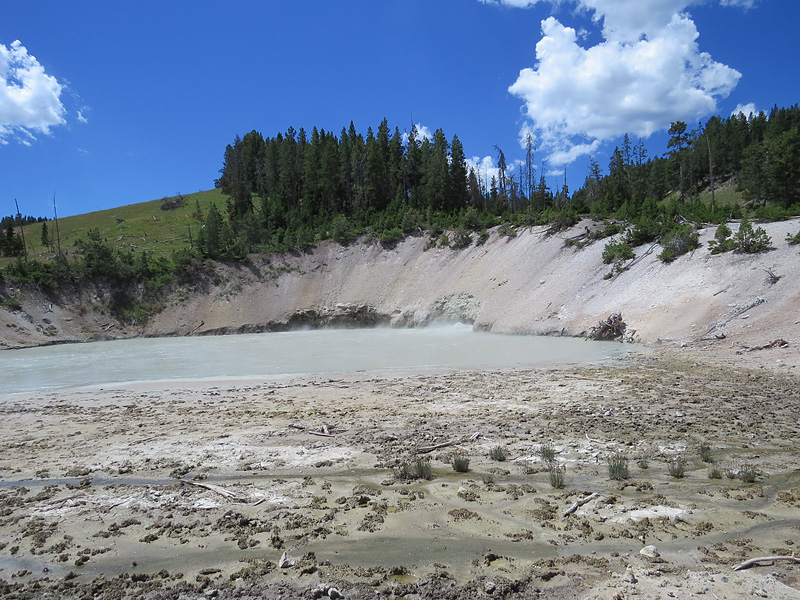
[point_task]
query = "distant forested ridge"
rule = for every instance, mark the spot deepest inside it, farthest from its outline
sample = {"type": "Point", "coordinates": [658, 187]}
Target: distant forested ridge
{"type": "Point", "coordinates": [294, 189]}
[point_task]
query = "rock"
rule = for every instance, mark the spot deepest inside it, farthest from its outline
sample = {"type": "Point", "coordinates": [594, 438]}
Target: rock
{"type": "Point", "coordinates": [629, 577]}
{"type": "Point", "coordinates": [333, 593]}
{"type": "Point", "coordinates": [650, 551]}
{"type": "Point", "coordinates": [285, 561]}
{"type": "Point", "coordinates": [489, 587]}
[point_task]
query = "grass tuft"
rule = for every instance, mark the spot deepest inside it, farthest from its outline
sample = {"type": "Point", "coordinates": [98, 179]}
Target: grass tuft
{"type": "Point", "coordinates": [618, 467]}
{"type": "Point", "coordinates": [547, 452]}
{"type": "Point", "coordinates": [748, 474]}
{"type": "Point", "coordinates": [498, 453]}
{"type": "Point", "coordinates": [705, 453]}
{"type": "Point", "coordinates": [677, 467]}
{"type": "Point", "coordinates": [556, 474]}
{"type": "Point", "coordinates": [460, 463]}
{"type": "Point", "coordinates": [420, 469]}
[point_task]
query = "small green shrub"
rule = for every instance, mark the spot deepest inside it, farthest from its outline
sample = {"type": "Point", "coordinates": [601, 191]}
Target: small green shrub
{"type": "Point", "coordinates": [461, 239]}
{"type": "Point", "coordinates": [460, 463]}
{"type": "Point", "coordinates": [793, 239]}
{"type": "Point", "coordinates": [705, 453]}
{"type": "Point", "coordinates": [618, 467]}
{"type": "Point", "coordinates": [12, 303]}
{"type": "Point", "coordinates": [610, 229]}
{"type": "Point", "coordinates": [498, 453]}
{"type": "Point", "coordinates": [677, 467]}
{"type": "Point", "coordinates": [617, 253]}
{"type": "Point", "coordinates": [751, 241]}
{"type": "Point", "coordinates": [507, 230]}
{"type": "Point", "coordinates": [715, 472]}
{"type": "Point", "coordinates": [547, 452]}
{"type": "Point", "coordinates": [677, 242]}
{"type": "Point", "coordinates": [771, 213]}
{"type": "Point", "coordinates": [722, 241]}
{"type": "Point", "coordinates": [483, 237]}
{"type": "Point", "coordinates": [390, 237]}
{"type": "Point", "coordinates": [556, 476]}
{"type": "Point", "coordinates": [341, 230]}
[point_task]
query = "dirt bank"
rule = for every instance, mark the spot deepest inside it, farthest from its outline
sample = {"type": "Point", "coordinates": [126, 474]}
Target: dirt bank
{"type": "Point", "coordinates": [531, 284]}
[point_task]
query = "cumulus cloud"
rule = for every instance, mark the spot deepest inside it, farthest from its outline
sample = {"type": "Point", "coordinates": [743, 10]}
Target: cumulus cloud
{"type": "Point", "coordinates": [30, 99]}
{"type": "Point", "coordinates": [745, 109]}
{"type": "Point", "coordinates": [422, 132]}
{"type": "Point", "coordinates": [645, 74]}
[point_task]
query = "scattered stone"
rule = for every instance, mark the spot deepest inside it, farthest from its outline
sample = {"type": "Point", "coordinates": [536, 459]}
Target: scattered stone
{"type": "Point", "coordinates": [650, 551]}
{"type": "Point", "coordinates": [285, 561]}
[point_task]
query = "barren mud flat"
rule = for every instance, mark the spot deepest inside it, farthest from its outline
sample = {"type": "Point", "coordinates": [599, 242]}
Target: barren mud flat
{"type": "Point", "coordinates": [306, 487]}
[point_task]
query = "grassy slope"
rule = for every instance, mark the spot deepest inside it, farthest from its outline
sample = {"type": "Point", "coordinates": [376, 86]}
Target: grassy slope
{"type": "Point", "coordinates": [136, 226]}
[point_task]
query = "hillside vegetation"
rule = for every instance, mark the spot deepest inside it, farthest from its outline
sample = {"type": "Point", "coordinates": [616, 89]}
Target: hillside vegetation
{"type": "Point", "coordinates": [289, 195]}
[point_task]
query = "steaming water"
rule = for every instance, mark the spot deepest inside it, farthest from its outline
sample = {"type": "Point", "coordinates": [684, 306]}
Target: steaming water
{"type": "Point", "coordinates": [287, 353]}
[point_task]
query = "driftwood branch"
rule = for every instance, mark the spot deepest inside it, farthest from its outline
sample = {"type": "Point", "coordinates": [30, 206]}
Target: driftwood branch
{"type": "Point", "coordinates": [754, 561]}
{"type": "Point", "coordinates": [426, 449]}
{"type": "Point", "coordinates": [719, 324]}
{"type": "Point", "coordinates": [324, 433]}
{"type": "Point", "coordinates": [217, 489]}
{"type": "Point", "coordinates": [578, 503]}
{"type": "Point", "coordinates": [612, 328]}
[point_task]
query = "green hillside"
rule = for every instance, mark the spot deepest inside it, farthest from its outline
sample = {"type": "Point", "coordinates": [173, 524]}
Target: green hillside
{"type": "Point", "coordinates": [142, 226]}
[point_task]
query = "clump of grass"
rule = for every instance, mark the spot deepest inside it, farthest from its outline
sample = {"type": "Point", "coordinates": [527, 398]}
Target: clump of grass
{"type": "Point", "coordinates": [498, 453]}
{"type": "Point", "coordinates": [460, 463]}
{"type": "Point", "coordinates": [747, 474]}
{"type": "Point", "coordinates": [705, 453]}
{"type": "Point", "coordinates": [556, 474]}
{"type": "Point", "coordinates": [420, 469]}
{"type": "Point", "coordinates": [618, 467]}
{"type": "Point", "coordinates": [547, 452]}
{"type": "Point", "coordinates": [677, 467]}
{"type": "Point", "coordinates": [715, 472]}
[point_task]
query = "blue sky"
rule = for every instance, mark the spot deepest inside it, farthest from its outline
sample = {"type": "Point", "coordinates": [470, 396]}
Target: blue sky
{"type": "Point", "coordinates": [109, 103]}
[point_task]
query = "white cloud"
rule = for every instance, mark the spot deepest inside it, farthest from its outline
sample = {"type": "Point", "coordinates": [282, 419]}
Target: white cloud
{"type": "Point", "coordinates": [422, 132]}
{"type": "Point", "coordinates": [746, 4]}
{"type": "Point", "coordinates": [515, 3]}
{"type": "Point", "coordinates": [485, 169]}
{"type": "Point", "coordinates": [30, 99]}
{"type": "Point", "coordinates": [648, 72]}
{"type": "Point", "coordinates": [745, 109]}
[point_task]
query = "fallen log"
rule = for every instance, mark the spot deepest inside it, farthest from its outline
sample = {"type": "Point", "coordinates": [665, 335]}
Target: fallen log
{"type": "Point", "coordinates": [578, 503]}
{"type": "Point", "coordinates": [754, 561]}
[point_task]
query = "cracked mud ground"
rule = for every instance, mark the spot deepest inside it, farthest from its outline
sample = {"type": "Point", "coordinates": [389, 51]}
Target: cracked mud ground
{"type": "Point", "coordinates": [102, 489]}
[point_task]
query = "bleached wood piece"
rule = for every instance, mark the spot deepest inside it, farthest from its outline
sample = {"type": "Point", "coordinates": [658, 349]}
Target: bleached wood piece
{"type": "Point", "coordinates": [578, 503]}
{"type": "Point", "coordinates": [754, 561]}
